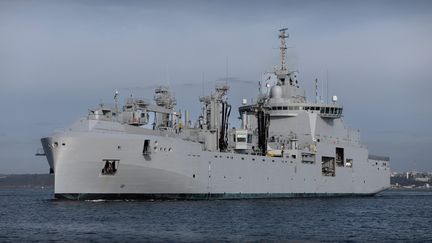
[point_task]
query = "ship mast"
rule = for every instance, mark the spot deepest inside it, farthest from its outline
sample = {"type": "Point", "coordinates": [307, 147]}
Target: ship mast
{"type": "Point", "coordinates": [283, 48]}
{"type": "Point", "coordinates": [283, 71]}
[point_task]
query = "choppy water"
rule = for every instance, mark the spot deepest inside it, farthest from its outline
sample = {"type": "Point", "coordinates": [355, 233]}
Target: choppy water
{"type": "Point", "coordinates": [31, 215]}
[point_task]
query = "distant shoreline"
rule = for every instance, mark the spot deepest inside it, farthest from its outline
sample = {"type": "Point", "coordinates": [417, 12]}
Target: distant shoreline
{"type": "Point", "coordinates": [26, 181]}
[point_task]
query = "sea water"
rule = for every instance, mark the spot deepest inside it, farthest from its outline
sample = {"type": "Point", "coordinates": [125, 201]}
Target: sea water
{"type": "Point", "coordinates": [395, 215]}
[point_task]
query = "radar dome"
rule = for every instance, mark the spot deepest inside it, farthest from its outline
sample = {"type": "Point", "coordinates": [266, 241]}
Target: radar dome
{"type": "Point", "coordinates": [276, 92]}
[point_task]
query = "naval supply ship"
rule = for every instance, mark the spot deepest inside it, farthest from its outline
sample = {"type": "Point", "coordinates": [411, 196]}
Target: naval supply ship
{"type": "Point", "coordinates": [285, 147]}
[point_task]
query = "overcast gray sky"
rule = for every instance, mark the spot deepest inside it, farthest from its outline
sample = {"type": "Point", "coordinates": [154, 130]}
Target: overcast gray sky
{"type": "Point", "coordinates": [59, 58]}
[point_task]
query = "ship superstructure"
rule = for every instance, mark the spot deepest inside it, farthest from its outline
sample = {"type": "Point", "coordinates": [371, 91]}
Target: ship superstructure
{"type": "Point", "coordinates": [285, 147]}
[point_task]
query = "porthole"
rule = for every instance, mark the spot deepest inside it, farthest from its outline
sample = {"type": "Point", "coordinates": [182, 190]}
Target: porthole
{"type": "Point", "coordinates": [119, 147]}
{"type": "Point", "coordinates": [63, 144]}
{"type": "Point", "coordinates": [193, 176]}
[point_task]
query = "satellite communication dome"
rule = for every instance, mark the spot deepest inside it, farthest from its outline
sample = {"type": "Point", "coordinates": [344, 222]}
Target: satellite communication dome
{"type": "Point", "coordinates": [276, 92]}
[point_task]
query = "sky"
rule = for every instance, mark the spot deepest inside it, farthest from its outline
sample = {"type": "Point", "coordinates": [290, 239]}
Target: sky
{"type": "Point", "coordinates": [60, 58]}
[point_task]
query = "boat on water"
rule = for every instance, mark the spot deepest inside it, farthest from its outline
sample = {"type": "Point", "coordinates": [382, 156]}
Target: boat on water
{"type": "Point", "coordinates": [285, 147]}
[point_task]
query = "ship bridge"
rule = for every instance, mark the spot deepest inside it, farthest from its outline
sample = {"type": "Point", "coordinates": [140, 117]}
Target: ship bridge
{"type": "Point", "coordinates": [292, 109]}
{"type": "Point", "coordinates": [324, 110]}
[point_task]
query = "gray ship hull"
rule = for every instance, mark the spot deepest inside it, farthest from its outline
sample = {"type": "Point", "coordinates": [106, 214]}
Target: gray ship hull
{"type": "Point", "coordinates": [180, 169]}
